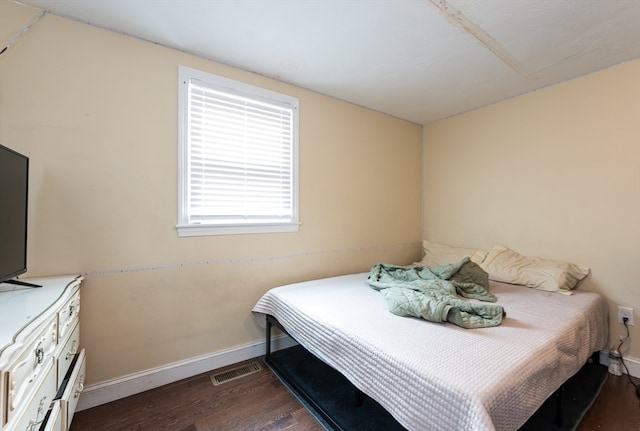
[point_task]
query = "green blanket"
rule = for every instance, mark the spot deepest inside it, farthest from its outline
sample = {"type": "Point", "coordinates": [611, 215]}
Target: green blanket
{"type": "Point", "coordinates": [432, 293]}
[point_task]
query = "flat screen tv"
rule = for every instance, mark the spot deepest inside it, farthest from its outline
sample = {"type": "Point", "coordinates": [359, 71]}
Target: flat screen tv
{"type": "Point", "coordinates": [14, 186]}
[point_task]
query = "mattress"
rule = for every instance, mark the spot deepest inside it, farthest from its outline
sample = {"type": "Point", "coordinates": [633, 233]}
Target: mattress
{"type": "Point", "coordinates": [435, 376]}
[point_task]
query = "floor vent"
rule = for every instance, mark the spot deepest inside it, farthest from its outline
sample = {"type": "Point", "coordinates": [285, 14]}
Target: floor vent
{"type": "Point", "coordinates": [235, 373]}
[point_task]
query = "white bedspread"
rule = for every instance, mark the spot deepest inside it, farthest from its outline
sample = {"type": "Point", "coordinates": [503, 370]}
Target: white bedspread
{"type": "Point", "coordinates": [434, 376]}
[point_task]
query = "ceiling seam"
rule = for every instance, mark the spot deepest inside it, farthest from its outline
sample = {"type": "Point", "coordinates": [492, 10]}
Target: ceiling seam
{"type": "Point", "coordinates": [458, 19]}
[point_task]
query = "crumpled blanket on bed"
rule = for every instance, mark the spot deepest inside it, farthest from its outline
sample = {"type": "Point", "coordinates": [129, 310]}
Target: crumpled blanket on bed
{"type": "Point", "coordinates": [432, 293]}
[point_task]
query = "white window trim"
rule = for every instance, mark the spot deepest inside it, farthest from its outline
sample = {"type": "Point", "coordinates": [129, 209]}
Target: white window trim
{"type": "Point", "coordinates": [184, 228]}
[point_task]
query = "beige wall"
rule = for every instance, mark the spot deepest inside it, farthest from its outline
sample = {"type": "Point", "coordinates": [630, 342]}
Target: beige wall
{"type": "Point", "coordinates": [554, 173]}
{"type": "Point", "coordinates": [96, 113]}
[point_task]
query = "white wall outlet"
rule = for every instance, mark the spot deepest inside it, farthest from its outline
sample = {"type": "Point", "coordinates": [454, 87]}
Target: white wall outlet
{"type": "Point", "coordinates": [625, 312]}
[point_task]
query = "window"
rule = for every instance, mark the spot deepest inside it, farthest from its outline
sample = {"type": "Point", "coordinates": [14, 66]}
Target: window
{"type": "Point", "coordinates": [238, 167]}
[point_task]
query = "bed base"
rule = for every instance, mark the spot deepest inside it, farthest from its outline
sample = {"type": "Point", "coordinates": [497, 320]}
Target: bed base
{"type": "Point", "coordinates": [358, 395]}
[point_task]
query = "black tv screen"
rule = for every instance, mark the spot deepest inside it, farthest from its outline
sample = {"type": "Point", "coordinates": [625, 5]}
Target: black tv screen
{"type": "Point", "coordinates": [14, 184]}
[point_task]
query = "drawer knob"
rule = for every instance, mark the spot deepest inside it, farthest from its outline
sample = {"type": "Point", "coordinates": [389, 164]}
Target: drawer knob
{"type": "Point", "coordinates": [39, 354]}
{"type": "Point", "coordinates": [72, 351]}
{"type": "Point", "coordinates": [35, 424]}
{"type": "Point", "coordinates": [80, 387]}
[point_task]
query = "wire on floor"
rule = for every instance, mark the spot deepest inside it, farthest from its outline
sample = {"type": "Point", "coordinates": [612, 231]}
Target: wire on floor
{"type": "Point", "coordinates": [622, 341]}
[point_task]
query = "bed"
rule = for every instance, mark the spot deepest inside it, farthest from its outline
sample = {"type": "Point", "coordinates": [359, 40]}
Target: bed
{"type": "Point", "coordinates": [436, 376]}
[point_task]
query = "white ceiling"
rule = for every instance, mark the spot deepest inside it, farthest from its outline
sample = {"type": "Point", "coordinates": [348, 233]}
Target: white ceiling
{"type": "Point", "coordinates": [419, 60]}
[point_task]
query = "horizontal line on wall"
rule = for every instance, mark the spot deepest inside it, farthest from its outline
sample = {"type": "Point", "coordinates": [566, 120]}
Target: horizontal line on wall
{"type": "Point", "coordinates": [248, 259]}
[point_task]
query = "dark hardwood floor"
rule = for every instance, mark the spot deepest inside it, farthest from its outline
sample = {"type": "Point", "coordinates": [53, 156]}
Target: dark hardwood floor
{"type": "Point", "coordinates": [260, 402]}
{"type": "Point", "coordinates": [616, 408]}
{"type": "Point", "coordinates": [255, 402]}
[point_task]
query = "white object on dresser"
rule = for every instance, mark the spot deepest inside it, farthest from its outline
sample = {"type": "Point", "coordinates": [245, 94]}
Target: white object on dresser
{"type": "Point", "coordinates": [42, 368]}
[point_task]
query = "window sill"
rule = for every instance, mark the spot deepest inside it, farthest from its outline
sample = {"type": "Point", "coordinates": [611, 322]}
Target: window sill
{"type": "Point", "coordinates": [204, 229]}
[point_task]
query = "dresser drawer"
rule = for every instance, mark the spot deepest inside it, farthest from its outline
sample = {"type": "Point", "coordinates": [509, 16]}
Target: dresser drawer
{"type": "Point", "coordinates": [27, 371]}
{"type": "Point", "coordinates": [72, 391]}
{"type": "Point", "coordinates": [53, 419]}
{"type": "Point", "coordinates": [68, 316]}
{"type": "Point", "coordinates": [67, 353]}
{"type": "Point", "coordinates": [38, 337]}
{"type": "Point", "coordinates": [38, 405]}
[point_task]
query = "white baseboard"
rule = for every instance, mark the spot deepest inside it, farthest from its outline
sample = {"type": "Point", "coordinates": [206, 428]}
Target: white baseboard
{"type": "Point", "coordinates": [633, 364]}
{"type": "Point", "coordinates": [102, 393]}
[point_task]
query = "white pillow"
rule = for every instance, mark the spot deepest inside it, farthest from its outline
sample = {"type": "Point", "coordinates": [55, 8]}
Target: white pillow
{"type": "Point", "coordinates": [505, 265]}
{"type": "Point", "coordinates": [442, 254]}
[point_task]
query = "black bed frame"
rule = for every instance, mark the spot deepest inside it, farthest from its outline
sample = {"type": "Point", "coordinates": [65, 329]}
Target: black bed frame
{"type": "Point", "coordinates": [359, 396]}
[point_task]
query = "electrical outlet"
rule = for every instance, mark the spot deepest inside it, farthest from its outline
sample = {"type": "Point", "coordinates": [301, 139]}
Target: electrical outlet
{"type": "Point", "coordinates": [625, 312]}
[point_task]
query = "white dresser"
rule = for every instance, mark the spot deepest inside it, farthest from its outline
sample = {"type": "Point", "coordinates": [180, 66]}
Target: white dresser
{"type": "Point", "coordinates": [42, 367]}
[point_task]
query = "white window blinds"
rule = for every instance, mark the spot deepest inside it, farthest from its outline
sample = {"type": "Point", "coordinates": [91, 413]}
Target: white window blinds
{"type": "Point", "coordinates": [240, 166]}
